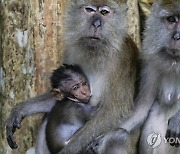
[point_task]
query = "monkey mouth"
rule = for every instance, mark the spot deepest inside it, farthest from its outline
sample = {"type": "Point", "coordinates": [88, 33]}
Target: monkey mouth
{"type": "Point", "coordinates": [86, 100]}
{"type": "Point", "coordinates": [92, 42]}
{"type": "Point", "coordinates": [173, 52]}
{"type": "Point", "coordinates": [94, 38]}
{"type": "Point", "coordinates": [175, 45]}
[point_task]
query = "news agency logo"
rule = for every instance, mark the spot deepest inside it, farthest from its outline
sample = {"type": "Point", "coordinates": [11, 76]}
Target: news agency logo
{"type": "Point", "coordinates": [154, 140]}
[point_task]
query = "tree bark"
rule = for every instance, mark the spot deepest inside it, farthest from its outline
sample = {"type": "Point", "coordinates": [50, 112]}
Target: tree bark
{"type": "Point", "coordinates": [31, 46]}
{"type": "Point", "coordinates": [134, 21]}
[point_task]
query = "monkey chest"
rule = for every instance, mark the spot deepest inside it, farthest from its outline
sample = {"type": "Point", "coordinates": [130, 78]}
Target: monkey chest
{"type": "Point", "coordinates": [169, 90]}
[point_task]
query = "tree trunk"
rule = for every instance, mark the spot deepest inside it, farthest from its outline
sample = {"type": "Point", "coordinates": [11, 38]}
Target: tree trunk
{"type": "Point", "coordinates": [31, 47]}
{"type": "Point", "coordinates": [133, 21]}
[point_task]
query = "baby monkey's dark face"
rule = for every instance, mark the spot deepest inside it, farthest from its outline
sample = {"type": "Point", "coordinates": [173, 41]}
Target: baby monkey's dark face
{"type": "Point", "coordinates": [79, 88]}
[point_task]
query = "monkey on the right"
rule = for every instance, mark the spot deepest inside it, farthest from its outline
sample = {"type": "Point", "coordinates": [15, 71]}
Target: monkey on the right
{"type": "Point", "coordinates": [159, 96]}
{"type": "Point", "coordinates": [161, 81]}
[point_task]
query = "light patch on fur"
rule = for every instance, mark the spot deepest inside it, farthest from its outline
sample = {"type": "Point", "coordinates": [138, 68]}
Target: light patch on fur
{"type": "Point", "coordinates": [97, 88]}
{"type": "Point", "coordinates": [169, 97]}
{"type": "Point", "coordinates": [68, 130]}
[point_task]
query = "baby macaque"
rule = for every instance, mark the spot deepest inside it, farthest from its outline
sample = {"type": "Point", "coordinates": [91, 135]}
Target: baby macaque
{"type": "Point", "coordinates": [69, 81]}
{"type": "Point", "coordinates": [71, 88]}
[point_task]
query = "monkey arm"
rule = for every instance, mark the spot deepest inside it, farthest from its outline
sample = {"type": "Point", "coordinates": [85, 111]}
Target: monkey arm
{"type": "Point", "coordinates": [90, 131]}
{"type": "Point", "coordinates": [140, 113]}
{"type": "Point", "coordinates": [144, 100]}
{"type": "Point", "coordinates": [173, 129]}
{"type": "Point", "coordinates": [39, 104]}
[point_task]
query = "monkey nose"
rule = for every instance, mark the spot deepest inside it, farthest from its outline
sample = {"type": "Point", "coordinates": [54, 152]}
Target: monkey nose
{"type": "Point", "coordinates": [83, 92]}
{"type": "Point", "coordinates": [97, 23]}
{"type": "Point", "coordinates": [176, 36]}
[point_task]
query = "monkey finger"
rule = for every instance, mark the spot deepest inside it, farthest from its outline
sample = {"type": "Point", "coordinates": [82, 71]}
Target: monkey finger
{"type": "Point", "coordinates": [173, 135]}
{"type": "Point", "coordinates": [17, 125]}
{"type": "Point", "coordinates": [93, 147]}
{"type": "Point", "coordinates": [98, 140]}
{"type": "Point", "coordinates": [10, 139]}
{"type": "Point", "coordinates": [10, 129]}
{"type": "Point", "coordinates": [177, 138]}
{"type": "Point", "coordinates": [91, 150]}
{"type": "Point", "coordinates": [168, 132]}
{"type": "Point", "coordinates": [177, 144]}
{"type": "Point", "coordinates": [12, 143]}
{"type": "Point", "coordinates": [95, 144]}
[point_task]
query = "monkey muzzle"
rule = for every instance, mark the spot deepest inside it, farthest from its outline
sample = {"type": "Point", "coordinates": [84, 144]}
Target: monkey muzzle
{"type": "Point", "coordinates": [174, 48]}
{"type": "Point", "coordinates": [175, 42]}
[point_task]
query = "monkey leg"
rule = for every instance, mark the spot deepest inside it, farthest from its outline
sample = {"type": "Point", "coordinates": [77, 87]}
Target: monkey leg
{"type": "Point", "coordinates": [118, 141]}
{"type": "Point", "coordinates": [41, 145]}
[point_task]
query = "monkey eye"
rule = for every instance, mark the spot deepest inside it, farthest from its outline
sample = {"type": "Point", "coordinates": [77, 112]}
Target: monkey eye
{"type": "Point", "coordinates": [105, 10]}
{"type": "Point", "coordinates": [75, 87]}
{"type": "Point", "coordinates": [172, 19]}
{"type": "Point", "coordinates": [90, 9]}
{"type": "Point", "coordinates": [84, 83]}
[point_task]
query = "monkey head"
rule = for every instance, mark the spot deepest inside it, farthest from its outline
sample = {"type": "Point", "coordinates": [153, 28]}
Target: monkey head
{"type": "Point", "coordinates": [164, 24]}
{"type": "Point", "coordinates": [91, 25]}
{"type": "Point", "coordinates": [69, 81]}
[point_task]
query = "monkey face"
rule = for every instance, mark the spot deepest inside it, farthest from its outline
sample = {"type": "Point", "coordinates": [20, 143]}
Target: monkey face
{"type": "Point", "coordinates": [95, 24]}
{"type": "Point", "coordinates": [173, 25]}
{"type": "Point", "coordinates": [95, 17]}
{"type": "Point", "coordinates": [165, 24]}
{"type": "Point", "coordinates": [79, 89]}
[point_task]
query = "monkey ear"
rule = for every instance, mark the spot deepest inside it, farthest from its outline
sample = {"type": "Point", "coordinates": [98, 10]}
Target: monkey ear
{"type": "Point", "coordinates": [56, 90]}
{"type": "Point", "coordinates": [57, 93]}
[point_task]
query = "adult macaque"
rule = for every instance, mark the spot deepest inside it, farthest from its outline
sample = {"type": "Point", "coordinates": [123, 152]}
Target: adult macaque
{"type": "Point", "coordinates": [72, 111]}
{"type": "Point", "coordinates": [160, 84]}
{"type": "Point", "coordinates": [96, 40]}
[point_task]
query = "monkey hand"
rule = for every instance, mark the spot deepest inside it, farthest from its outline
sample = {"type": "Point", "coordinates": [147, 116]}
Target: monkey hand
{"type": "Point", "coordinates": [93, 147]}
{"type": "Point", "coordinates": [113, 139]}
{"type": "Point", "coordinates": [173, 130]}
{"type": "Point", "coordinates": [13, 123]}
